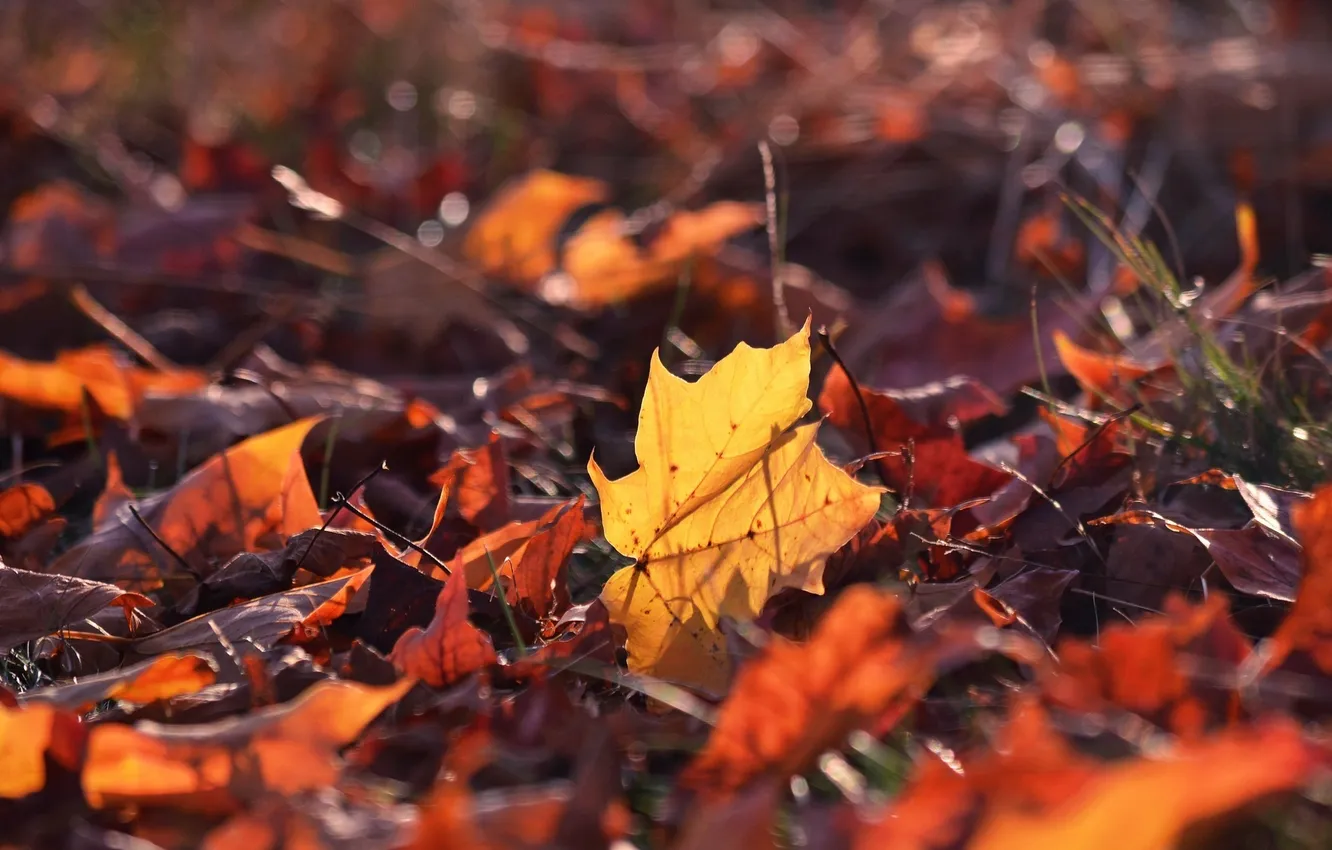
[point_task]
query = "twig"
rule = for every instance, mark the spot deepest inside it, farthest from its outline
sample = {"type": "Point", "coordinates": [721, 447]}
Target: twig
{"type": "Point", "coordinates": [365, 479]}
{"type": "Point", "coordinates": [826, 341]}
{"type": "Point", "coordinates": [121, 332]}
{"type": "Point", "coordinates": [1096, 432]}
{"type": "Point", "coordinates": [180, 559]}
{"type": "Point", "coordinates": [341, 501]}
{"type": "Point", "coordinates": [782, 320]}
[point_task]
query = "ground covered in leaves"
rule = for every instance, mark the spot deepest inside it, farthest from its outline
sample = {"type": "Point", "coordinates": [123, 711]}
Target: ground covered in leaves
{"type": "Point", "coordinates": [440, 426]}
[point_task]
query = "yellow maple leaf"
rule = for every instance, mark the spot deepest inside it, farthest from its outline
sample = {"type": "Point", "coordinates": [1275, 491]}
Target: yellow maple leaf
{"type": "Point", "coordinates": [726, 508]}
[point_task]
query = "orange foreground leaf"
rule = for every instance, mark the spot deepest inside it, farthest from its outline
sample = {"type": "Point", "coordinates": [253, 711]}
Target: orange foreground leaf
{"type": "Point", "coordinates": [794, 701]}
{"type": "Point", "coordinates": [1308, 625]}
{"type": "Point", "coordinates": [284, 750]}
{"type": "Point", "coordinates": [28, 736]}
{"type": "Point", "coordinates": [1033, 791]}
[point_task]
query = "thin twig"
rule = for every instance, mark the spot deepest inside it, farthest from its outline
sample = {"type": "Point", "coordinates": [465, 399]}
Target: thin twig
{"type": "Point", "coordinates": [341, 501]}
{"type": "Point", "coordinates": [782, 320]}
{"type": "Point", "coordinates": [180, 559]}
{"type": "Point", "coordinates": [826, 341]}
{"type": "Point", "coordinates": [333, 514]}
{"type": "Point", "coordinates": [121, 332]}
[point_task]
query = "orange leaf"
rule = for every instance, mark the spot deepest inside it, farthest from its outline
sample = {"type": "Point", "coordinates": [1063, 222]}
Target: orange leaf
{"type": "Point", "coordinates": [479, 483]}
{"type": "Point", "coordinates": [537, 571]}
{"type": "Point", "coordinates": [22, 507]}
{"type": "Point", "coordinates": [252, 496]}
{"type": "Point", "coordinates": [938, 468]}
{"type": "Point", "coordinates": [114, 495]}
{"type": "Point", "coordinates": [30, 734]}
{"type": "Point", "coordinates": [1102, 375]}
{"type": "Point", "coordinates": [158, 678]}
{"type": "Point", "coordinates": [1145, 667]}
{"type": "Point", "coordinates": [794, 701]}
{"type": "Point", "coordinates": [1308, 625]}
{"type": "Point", "coordinates": [448, 649]}
{"type": "Point", "coordinates": [1033, 790]}
{"type": "Point", "coordinates": [284, 750]}
{"type": "Point", "coordinates": [114, 384]}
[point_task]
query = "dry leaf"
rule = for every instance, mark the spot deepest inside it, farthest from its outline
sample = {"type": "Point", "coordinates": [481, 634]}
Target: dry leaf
{"type": "Point", "coordinates": [450, 648]}
{"type": "Point", "coordinates": [726, 508]}
{"type": "Point", "coordinates": [252, 496]}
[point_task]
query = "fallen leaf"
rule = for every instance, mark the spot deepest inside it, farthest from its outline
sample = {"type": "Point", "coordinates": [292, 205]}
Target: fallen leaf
{"type": "Point", "coordinates": [281, 750]}
{"type": "Point", "coordinates": [918, 426]}
{"type": "Point", "coordinates": [796, 700]}
{"type": "Point", "coordinates": [725, 509]}
{"type": "Point", "coordinates": [116, 386]}
{"type": "Point", "coordinates": [1104, 377]}
{"type": "Point", "coordinates": [515, 235]}
{"type": "Point", "coordinates": [37, 604]}
{"type": "Point", "coordinates": [479, 483]}
{"type": "Point", "coordinates": [1308, 625]}
{"type": "Point", "coordinates": [1033, 790]}
{"type": "Point", "coordinates": [537, 572]}
{"type": "Point", "coordinates": [22, 508]}
{"type": "Point", "coordinates": [29, 736]}
{"type": "Point", "coordinates": [450, 648]}
{"type": "Point", "coordinates": [252, 496]}
{"type": "Point", "coordinates": [158, 678]}
{"type": "Point", "coordinates": [600, 262]}
{"type": "Point", "coordinates": [1146, 668]}
{"type": "Point", "coordinates": [264, 620]}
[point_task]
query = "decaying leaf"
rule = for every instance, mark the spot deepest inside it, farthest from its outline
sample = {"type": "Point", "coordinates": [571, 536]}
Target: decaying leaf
{"type": "Point", "coordinates": [450, 648]}
{"type": "Point", "coordinates": [725, 509]}
{"type": "Point", "coordinates": [917, 428]}
{"type": "Point", "coordinates": [37, 604]}
{"type": "Point", "coordinates": [252, 496]}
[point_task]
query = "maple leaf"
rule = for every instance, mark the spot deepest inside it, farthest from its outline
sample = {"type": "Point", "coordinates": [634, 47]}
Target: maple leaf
{"type": "Point", "coordinates": [725, 509]}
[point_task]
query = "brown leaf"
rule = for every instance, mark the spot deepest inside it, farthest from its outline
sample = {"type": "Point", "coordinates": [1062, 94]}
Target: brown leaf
{"type": "Point", "coordinates": [37, 604]}
{"type": "Point", "coordinates": [264, 620]}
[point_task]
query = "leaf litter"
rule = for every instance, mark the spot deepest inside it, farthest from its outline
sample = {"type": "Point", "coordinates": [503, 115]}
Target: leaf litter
{"type": "Point", "coordinates": [540, 523]}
